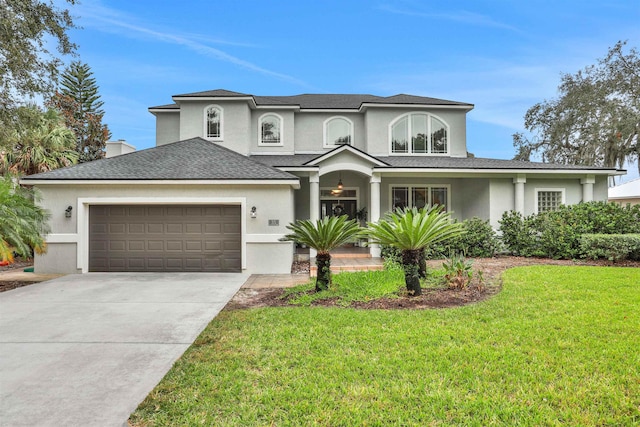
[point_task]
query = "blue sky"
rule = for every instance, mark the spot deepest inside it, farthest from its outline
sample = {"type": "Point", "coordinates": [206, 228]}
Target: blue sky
{"type": "Point", "coordinates": [503, 56]}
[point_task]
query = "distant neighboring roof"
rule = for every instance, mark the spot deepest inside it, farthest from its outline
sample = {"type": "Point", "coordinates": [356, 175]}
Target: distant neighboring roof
{"type": "Point", "coordinates": [628, 190]}
{"type": "Point", "coordinates": [324, 101]}
{"type": "Point", "coordinates": [427, 162]}
{"type": "Point", "coordinates": [191, 159]}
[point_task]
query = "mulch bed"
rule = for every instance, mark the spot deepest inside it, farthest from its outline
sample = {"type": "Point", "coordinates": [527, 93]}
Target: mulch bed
{"type": "Point", "coordinates": [492, 269]}
{"type": "Point", "coordinates": [8, 285]}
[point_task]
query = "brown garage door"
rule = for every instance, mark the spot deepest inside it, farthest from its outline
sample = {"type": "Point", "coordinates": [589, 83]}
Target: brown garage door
{"type": "Point", "coordinates": [164, 238]}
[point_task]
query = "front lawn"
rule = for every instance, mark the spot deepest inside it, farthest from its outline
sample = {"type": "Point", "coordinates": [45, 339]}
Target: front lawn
{"type": "Point", "coordinates": [558, 346]}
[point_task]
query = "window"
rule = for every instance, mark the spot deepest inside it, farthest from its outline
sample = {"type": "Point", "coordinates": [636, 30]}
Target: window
{"type": "Point", "coordinates": [213, 122]}
{"type": "Point", "coordinates": [419, 133]}
{"type": "Point", "coordinates": [338, 131]}
{"type": "Point", "coordinates": [270, 128]}
{"type": "Point", "coordinates": [549, 199]}
{"type": "Point", "coordinates": [419, 196]}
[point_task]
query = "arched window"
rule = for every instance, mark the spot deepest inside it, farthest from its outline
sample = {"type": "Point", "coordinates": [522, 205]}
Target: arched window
{"type": "Point", "coordinates": [419, 133]}
{"type": "Point", "coordinates": [213, 122]}
{"type": "Point", "coordinates": [338, 131]}
{"type": "Point", "coordinates": [270, 129]}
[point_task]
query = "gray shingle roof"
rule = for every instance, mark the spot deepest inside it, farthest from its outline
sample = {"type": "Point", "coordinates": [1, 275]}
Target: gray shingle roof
{"type": "Point", "coordinates": [173, 106]}
{"type": "Point", "coordinates": [327, 101]}
{"type": "Point", "coordinates": [192, 159]}
{"type": "Point", "coordinates": [427, 162]}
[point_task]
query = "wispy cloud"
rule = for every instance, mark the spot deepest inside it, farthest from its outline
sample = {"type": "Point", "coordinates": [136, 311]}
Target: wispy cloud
{"type": "Point", "coordinates": [457, 16]}
{"type": "Point", "coordinates": [96, 13]}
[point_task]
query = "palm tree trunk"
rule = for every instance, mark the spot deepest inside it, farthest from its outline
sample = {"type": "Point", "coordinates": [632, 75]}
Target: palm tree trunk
{"type": "Point", "coordinates": [422, 265]}
{"type": "Point", "coordinates": [323, 279]}
{"type": "Point", "coordinates": [411, 266]}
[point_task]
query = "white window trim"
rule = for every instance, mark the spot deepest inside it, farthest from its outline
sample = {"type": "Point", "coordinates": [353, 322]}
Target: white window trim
{"type": "Point", "coordinates": [421, 185]}
{"type": "Point", "coordinates": [324, 132]}
{"type": "Point", "coordinates": [204, 132]}
{"type": "Point", "coordinates": [539, 190]}
{"type": "Point", "coordinates": [263, 144]}
{"type": "Point", "coordinates": [428, 153]}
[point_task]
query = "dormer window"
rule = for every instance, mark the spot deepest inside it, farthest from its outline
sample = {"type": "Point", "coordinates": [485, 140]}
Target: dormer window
{"type": "Point", "coordinates": [338, 131]}
{"type": "Point", "coordinates": [213, 122]}
{"type": "Point", "coordinates": [419, 133]}
{"type": "Point", "coordinates": [270, 129]}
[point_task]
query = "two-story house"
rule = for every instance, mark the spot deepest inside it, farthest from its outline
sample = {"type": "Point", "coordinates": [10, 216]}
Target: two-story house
{"type": "Point", "coordinates": [231, 170]}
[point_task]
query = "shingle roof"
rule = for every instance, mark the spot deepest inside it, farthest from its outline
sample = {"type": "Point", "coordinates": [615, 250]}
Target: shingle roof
{"type": "Point", "coordinates": [326, 101]}
{"type": "Point", "coordinates": [173, 106]}
{"type": "Point", "coordinates": [427, 162]}
{"type": "Point", "coordinates": [191, 159]}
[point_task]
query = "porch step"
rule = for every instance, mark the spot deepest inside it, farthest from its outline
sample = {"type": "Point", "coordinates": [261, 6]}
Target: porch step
{"type": "Point", "coordinates": [339, 255]}
{"type": "Point", "coordinates": [349, 264]}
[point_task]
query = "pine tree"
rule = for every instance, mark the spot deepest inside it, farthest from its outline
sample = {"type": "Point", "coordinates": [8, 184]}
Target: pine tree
{"type": "Point", "coordinates": [79, 102]}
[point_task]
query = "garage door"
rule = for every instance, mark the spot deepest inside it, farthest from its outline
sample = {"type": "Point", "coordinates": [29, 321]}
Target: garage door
{"type": "Point", "coordinates": [164, 238]}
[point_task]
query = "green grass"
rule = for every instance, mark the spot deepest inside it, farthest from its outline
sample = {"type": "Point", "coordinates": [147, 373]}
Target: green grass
{"type": "Point", "coordinates": [348, 287]}
{"type": "Point", "coordinates": [558, 346]}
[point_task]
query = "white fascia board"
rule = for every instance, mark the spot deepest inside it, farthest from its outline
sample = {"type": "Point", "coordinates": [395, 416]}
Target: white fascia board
{"type": "Point", "coordinates": [366, 105]}
{"type": "Point", "coordinates": [297, 168]}
{"type": "Point", "coordinates": [329, 110]}
{"type": "Point", "coordinates": [164, 110]}
{"type": "Point", "coordinates": [216, 98]}
{"type": "Point", "coordinates": [293, 182]}
{"type": "Point", "coordinates": [278, 107]}
{"type": "Point", "coordinates": [608, 172]}
{"type": "Point", "coordinates": [342, 149]}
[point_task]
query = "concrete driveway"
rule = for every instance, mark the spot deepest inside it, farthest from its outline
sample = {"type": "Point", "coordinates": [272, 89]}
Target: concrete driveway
{"type": "Point", "coordinates": [85, 350]}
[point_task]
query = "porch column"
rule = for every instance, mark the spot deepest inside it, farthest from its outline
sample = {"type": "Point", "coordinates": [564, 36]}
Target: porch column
{"type": "Point", "coordinates": [374, 211]}
{"type": "Point", "coordinates": [314, 202]}
{"type": "Point", "coordinates": [587, 187]}
{"type": "Point", "coordinates": [519, 182]}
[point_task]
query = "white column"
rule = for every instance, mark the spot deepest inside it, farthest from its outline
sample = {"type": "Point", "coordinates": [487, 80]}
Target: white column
{"type": "Point", "coordinates": [587, 187]}
{"type": "Point", "coordinates": [519, 182]}
{"type": "Point", "coordinates": [314, 202]}
{"type": "Point", "coordinates": [374, 210]}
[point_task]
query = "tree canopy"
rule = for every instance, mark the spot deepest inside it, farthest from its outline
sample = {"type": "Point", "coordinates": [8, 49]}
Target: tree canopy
{"type": "Point", "coordinates": [28, 66]}
{"type": "Point", "coordinates": [38, 141]}
{"type": "Point", "coordinates": [79, 102]}
{"type": "Point", "coordinates": [594, 121]}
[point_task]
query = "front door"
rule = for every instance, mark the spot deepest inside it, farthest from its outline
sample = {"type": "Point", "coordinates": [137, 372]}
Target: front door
{"type": "Point", "coordinates": [338, 207]}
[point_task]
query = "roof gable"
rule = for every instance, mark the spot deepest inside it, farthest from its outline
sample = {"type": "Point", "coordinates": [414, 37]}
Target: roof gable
{"type": "Point", "coordinates": [349, 149]}
{"type": "Point", "coordinates": [192, 159]}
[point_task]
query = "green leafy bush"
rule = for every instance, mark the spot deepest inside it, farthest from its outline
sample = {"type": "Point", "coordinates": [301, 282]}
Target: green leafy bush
{"type": "Point", "coordinates": [614, 247]}
{"type": "Point", "coordinates": [557, 234]}
{"type": "Point", "coordinates": [479, 240]}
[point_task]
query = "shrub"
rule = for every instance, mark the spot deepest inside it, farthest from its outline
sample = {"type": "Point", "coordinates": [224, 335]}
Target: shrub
{"type": "Point", "coordinates": [557, 234]}
{"type": "Point", "coordinates": [614, 247]}
{"type": "Point", "coordinates": [479, 239]}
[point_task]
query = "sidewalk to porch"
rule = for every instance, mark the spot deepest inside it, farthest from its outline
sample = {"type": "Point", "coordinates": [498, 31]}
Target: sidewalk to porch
{"type": "Point", "coordinates": [349, 263]}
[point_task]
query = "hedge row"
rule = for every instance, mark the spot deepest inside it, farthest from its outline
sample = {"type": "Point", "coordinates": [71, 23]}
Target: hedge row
{"type": "Point", "coordinates": [558, 234]}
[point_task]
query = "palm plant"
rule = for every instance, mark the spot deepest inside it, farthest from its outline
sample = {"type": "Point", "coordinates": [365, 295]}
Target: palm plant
{"type": "Point", "coordinates": [323, 235]}
{"type": "Point", "coordinates": [22, 223]}
{"type": "Point", "coordinates": [411, 231]}
{"type": "Point", "coordinates": [36, 142]}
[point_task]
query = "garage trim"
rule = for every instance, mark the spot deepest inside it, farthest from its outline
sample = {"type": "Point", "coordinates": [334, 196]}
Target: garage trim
{"type": "Point", "coordinates": [83, 217]}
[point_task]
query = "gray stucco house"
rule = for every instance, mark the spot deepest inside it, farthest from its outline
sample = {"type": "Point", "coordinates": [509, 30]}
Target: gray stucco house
{"type": "Point", "coordinates": [231, 170]}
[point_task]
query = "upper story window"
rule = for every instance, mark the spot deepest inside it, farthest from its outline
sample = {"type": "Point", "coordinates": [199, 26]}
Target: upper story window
{"type": "Point", "coordinates": [213, 122]}
{"type": "Point", "coordinates": [338, 131]}
{"type": "Point", "coordinates": [419, 133]}
{"type": "Point", "coordinates": [270, 129]}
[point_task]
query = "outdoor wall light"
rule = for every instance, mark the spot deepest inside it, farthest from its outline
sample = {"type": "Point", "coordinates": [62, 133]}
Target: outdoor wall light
{"type": "Point", "coordinates": [67, 212]}
{"type": "Point", "coordinates": [254, 212]}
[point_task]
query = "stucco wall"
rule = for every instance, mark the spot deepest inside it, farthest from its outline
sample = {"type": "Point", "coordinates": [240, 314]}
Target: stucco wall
{"type": "Point", "coordinates": [271, 201]}
{"type": "Point", "coordinates": [309, 136]}
{"type": "Point", "coordinates": [377, 129]}
{"type": "Point", "coordinates": [501, 199]}
{"type": "Point", "coordinates": [287, 136]}
{"type": "Point", "coordinates": [572, 189]}
{"type": "Point", "coordinates": [236, 123]}
{"type": "Point", "coordinates": [167, 128]}
{"type": "Point", "coordinates": [476, 195]}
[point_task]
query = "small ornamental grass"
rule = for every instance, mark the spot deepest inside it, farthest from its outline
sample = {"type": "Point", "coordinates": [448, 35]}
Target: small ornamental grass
{"type": "Point", "coordinates": [558, 346]}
